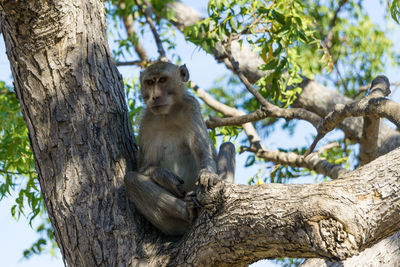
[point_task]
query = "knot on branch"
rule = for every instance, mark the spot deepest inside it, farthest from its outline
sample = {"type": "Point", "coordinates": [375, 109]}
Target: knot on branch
{"type": "Point", "coordinates": [335, 241]}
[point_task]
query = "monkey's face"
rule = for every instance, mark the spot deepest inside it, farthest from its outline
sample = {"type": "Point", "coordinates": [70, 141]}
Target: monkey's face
{"type": "Point", "coordinates": [162, 86]}
{"type": "Point", "coordinates": [160, 93]}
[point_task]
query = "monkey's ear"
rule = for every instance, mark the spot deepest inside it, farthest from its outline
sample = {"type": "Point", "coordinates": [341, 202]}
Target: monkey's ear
{"type": "Point", "coordinates": [183, 71]}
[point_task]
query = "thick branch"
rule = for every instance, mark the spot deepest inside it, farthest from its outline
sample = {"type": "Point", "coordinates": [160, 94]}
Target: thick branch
{"type": "Point", "coordinates": [334, 220]}
{"type": "Point", "coordinates": [385, 253]}
{"type": "Point", "coordinates": [321, 100]}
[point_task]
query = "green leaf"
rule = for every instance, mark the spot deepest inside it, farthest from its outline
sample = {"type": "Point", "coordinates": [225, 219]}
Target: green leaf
{"type": "Point", "coordinates": [395, 10]}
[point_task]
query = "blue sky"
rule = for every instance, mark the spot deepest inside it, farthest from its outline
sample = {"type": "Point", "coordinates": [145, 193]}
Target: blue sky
{"type": "Point", "coordinates": [17, 236]}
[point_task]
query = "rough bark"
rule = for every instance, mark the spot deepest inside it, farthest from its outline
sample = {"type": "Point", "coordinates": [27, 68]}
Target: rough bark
{"type": "Point", "coordinates": [335, 220]}
{"type": "Point", "coordinates": [73, 102]}
{"type": "Point", "coordinates": [368, 143]}
{"type": "Point", "coordinates": [385, 253]}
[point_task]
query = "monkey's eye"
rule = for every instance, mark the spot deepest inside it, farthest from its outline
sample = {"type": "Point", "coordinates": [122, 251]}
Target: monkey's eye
{"type": "Point", "coordinates": [162, 80]}
{"type": "Point", "coordinates": [145, 97]}
{"type": "Point", "coordinates": [149, 82]}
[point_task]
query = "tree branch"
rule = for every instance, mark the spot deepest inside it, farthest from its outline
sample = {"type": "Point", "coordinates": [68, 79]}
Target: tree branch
{"type": "Point", "coordinates": [251, 132]}
{"type": "Point", "coordinates": [334, 220]}
{"type": "Point", "coordinates": [268, 109]}
{"type": "Point", "coordinates": [16, 173]}
{"type": "Point", "coordinates": [371, 105]}
{"type": "Point", "coordinates": [271, 111]}
{"type": "Point", "coordinates": [380, 89]}
{"type": "Point", "coordinates": [130, 30]}
{"type": "Point", "coordinates": [311, 162]}
{"type": "Point", "coordinates": [321, 101]}
{"type": "Point", "coordinates": [130, 63]}
{"type": "Point", "coordinates": [147, 14]}
{"type": "Point", "coordinates": [385, 253]}
{"type": "Point", "coordinates": [329, 36]}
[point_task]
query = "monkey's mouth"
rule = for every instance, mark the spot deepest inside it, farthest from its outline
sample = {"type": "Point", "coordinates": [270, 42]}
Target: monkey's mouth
{"type": "Point", "coordinates": [158, 106]}
{"type": "Point", "coordinates": [159, 109]}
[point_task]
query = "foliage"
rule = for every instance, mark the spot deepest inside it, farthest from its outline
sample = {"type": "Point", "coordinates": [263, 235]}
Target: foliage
{"type": "Point", "coordinates": [359, 49]}
{"type": "Point", "coordinates": [395, 10]}
{"type": "Point", "coordinates": [17, 172]}
{"type": "Point", "coordinates": [274, 29]}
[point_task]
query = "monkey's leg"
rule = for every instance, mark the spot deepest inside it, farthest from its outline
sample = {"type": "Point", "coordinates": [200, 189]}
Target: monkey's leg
{"type": "Point", "coordinates": [166, 179]}
{"type": "Point", "coordinates": [165, 211]}
{"type": "Point", "coordinates": [226, 162]}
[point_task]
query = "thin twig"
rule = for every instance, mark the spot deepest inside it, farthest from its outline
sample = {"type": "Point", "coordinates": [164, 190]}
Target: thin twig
{"type": "Point", "coordinates": [329, 36]}
{"type": "Point", "coordinates": [16, 173]}
{"type": "Point", "coordinates": [146, 12]}
{"type": "Point", "coordinates": [272, 112]}
{"type": "Point", "coordinates": [130, 63]}
{"type": "Point", "coordinates": [251, 25]}
{"type": "Point", "coordinates": [245, 81]}
{"type": "Point", "coordinates": [327, 147]}
{"type": "Point", "coordinates": [268, 109]}
{"type": "Point", "coordinates": [311, 162]}
{"type": "Point", "coordinates": [130, 30]}
{"type": "Point", "coordinates": [226, 110]}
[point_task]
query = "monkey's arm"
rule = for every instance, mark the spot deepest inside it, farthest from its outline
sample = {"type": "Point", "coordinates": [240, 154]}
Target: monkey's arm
{"type": "Point", "coordinates": [201, 144]}
{"type": "Point", "coordinates": [204, 150]}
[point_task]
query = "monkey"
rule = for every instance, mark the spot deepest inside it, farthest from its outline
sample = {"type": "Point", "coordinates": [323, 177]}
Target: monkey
{"type": "Point", "coordinates": [176, 153]}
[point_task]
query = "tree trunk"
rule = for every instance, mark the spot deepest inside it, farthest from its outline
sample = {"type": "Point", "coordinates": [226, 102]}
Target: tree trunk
{"type": "Point", "coordinates": [73, 102]}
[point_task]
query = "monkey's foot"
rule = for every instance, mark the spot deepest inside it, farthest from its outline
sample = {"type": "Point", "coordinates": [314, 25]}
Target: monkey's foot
{"type": "Point", "coordinates": [192, 205]}
{"type": "Point", "coordinates": [207, 179]}
{"type": "Point", "coordinates": [169, 180]}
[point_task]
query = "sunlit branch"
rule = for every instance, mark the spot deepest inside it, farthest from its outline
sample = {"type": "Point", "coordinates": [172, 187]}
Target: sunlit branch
{"type": "Point", "coordinates": [371, 105]}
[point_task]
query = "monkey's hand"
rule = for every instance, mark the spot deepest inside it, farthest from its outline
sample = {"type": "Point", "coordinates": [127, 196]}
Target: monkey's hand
{"type": "Point", "coordinates": [167, 179]}
{"type": "Point", "coordinates": [207, 179]}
